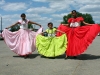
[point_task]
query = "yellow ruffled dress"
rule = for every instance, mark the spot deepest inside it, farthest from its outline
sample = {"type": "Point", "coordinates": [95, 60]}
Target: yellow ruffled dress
{"type": "Point", "coordinates": [51, 46]}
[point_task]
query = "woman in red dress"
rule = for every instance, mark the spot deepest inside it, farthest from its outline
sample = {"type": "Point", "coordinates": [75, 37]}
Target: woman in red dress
{"type": "Point", "coordinates": [79, 37]}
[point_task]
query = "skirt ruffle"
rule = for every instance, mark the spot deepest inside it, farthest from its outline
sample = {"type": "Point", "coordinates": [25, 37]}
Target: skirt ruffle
{"type": "Point", "coordinates": [51, 46]}
{"type": "Point", "coordinates": [79, 38]}
{"type": "Point", "coordinates": [22, 42]}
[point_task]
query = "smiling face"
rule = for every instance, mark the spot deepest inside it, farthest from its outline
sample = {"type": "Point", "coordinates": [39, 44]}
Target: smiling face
{"type": "Point", "coordinates": [50, 25]}
{"type": "Point", "coordinates": [74, 13]}
{"type": "Point", "coordinates": [23, 16]}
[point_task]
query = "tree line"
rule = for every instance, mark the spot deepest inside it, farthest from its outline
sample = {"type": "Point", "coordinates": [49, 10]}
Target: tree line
{"type": "Point", "coordinates": [87, 18]}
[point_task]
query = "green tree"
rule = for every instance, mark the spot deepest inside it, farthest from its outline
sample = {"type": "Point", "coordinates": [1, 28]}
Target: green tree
{"type": "Point", "coordinates": [55, 27]}
{"type": "Point", "coordinates": [30, 26]}
{"type": "Point", "coordinates": [17, 27]}
{"type": "Point", "coordinates": [87, 18]}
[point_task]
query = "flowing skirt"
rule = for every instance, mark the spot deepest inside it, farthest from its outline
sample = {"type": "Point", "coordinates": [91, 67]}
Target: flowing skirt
{"type": "Point", "coordinates": [79, 38]}
{"type": "Point", "coordinates": [51, 46]}
{"type": "Point", "coordinates": [22, 42]}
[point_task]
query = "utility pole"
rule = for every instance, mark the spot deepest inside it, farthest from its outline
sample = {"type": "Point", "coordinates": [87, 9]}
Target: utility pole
{"type": "Point", "coordinates": [1, 24]}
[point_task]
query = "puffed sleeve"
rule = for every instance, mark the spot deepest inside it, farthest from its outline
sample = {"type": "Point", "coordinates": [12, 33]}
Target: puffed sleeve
{"type": "Point", "coordinates": [28, 20]}
{"type": "Point", "coordinates": [81, 19]}
{"type": "Point", "coordinates": [69, 20]}
{"type": "Point", "coordinates": [55, 29]}
{"type": "Point", "coordinates": [47, 30]}
{"type": "Point", "coordinates": [19, 21]}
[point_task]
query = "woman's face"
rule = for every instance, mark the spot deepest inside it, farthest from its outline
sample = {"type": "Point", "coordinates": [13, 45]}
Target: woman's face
{"type": "Point", "coordinates": [23, 17]}
{"type": "Point", "coordinates": [74, 14]}
{"type": "Point", "coordinates": [50, 25]}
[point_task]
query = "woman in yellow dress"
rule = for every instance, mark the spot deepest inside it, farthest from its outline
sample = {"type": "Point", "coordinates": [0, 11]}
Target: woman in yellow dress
{"type": "Point", "coordinates": [51, 46]}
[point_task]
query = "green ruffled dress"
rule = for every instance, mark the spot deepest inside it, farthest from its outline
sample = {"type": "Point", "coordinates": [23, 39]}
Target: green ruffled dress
{"type": "Point", "coordinates": [51, 46]}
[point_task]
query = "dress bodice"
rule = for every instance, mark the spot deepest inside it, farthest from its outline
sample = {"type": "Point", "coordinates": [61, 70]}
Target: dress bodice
{"type": "Point", "coordinates": [75, 22]}
{"type": "Point", "coordinates": [51, 32]}
{"type": "Point", "coordinates": [23, 24]}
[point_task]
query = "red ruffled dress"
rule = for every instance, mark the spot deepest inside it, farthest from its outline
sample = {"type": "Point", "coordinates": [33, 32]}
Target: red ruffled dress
{"type": "Point", "coordinates": [79, 37]}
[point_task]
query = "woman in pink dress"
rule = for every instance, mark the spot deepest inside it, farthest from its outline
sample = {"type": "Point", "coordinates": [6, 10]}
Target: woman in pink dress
{"type": "Point", "coordinates": [22, 42]}
{"type": "Point", "coordinates": [79, 37]}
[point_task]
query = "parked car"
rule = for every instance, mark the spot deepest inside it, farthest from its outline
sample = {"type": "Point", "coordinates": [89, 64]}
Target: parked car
{"type": "Point", "coordinates": [98, 34]}
{"type": "Point", "coordinates": [1, 36]}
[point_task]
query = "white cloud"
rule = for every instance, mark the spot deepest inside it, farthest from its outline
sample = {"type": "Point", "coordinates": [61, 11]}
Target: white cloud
{"type": "Point", "coordinates": [2, 2]}
{"type": "Point", "coordinates": [14, 6]}
{"type": "Point", "coordinates": [84, 5]}
{"type": "Point", "coordinates": [40, 0]}
{"type": "Point", "coordinates": [40, 10]}
{"type": "Point", "coordinates": [11, 16]}
{"type": "Point", "coordinates": [56, 9]}
{"type": "Point", "coordinates": [8, 20]}
{"type": "Point", "coordinates": [59, 15]}
{"type": "Point", "coordinates": [11, 19]}
{"type": "Point", "coordinates": [0, 15]}
{"type": "Point", "coordinates": [90, 8]}
{"type": "Point", "coordinates": [88, 2]}
{"type": "Point", "coordinates": [48, 0]}
{"type": "Point", "coordinates": [38, 18]}
{"type": "Point", "coordinates": [56, 5]}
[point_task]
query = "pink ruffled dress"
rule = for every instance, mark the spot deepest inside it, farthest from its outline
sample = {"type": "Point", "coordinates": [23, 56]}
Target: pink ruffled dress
{"type": "Point", "coordinates": [23, 41]}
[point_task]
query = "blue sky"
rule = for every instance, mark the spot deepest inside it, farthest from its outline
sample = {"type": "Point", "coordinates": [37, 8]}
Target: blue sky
{"type": "Point", "coordinates": [44, 11]}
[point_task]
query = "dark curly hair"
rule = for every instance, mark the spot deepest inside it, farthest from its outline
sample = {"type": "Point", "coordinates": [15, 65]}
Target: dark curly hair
{"type": "Point", "coordinates": [23, 14]}
{"type": "Point", "coordinates": [50, 23]}
{"type": "Point", "coordinates": [74, 11]}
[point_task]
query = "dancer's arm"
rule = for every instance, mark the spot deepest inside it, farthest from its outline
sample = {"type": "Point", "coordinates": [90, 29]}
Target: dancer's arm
{"type": "Point", "coordinates": [86, 23]}
{"type": "Point", "coordinates": [65, 24]}
{"type": "Point", "coordinates": [13, 25]}
{"type": "Point", "coordinates": [60, 31]}
{"type": "Point", "coordinates": [34, 23]}
{"type": "Point", "coordinates": [42, 33]}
